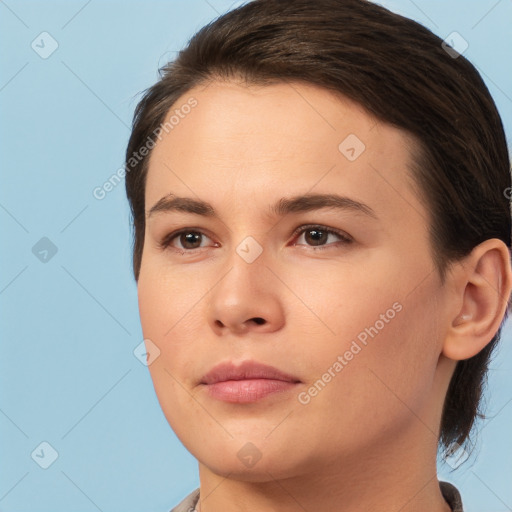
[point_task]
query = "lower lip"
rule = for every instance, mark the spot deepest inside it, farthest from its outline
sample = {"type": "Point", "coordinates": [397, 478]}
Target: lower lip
{"type": "Point", "coordinates": [247, 390]}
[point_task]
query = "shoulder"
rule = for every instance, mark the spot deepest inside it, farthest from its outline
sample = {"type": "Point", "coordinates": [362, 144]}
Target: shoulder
{"type": "Point", "coordinates": [188, 504]}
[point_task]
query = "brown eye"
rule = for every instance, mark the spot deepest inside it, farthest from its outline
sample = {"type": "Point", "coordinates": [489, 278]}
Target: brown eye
{"type": "Point", "coordinates": [317, 236]}
{"type": "Point", "coordinates": [187, 239]}
{"type": "Point", "coordinates": [190, 240]}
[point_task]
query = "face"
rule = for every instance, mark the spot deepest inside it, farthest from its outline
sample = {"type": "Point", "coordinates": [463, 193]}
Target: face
{"type": "Point", "coordinates": [338, 291]}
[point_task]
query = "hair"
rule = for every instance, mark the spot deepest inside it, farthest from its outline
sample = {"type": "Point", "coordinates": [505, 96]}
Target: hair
{"type": "Point", "coordinates": [401, 74]}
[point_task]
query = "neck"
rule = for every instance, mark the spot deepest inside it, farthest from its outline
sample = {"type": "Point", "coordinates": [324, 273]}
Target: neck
{"type": "Point", "coordinates": [401, 476]}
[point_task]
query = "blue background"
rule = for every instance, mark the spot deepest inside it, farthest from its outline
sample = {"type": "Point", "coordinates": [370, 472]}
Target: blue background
{"type": "Point", "coordinates": [68, 375]}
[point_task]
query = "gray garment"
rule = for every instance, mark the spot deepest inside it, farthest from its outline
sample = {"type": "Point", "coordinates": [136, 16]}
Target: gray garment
{"type": "Point", "coordinates": [450, 493]}
{"type": "Point", "coordinates": [189, 503]}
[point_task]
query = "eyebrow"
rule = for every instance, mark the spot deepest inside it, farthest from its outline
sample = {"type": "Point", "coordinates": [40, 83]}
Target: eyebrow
{"type": "Point", "coordinates": [284, 206]}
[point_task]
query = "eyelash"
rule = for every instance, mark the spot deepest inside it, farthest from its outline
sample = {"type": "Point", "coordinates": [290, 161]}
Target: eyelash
{"type": "Point", "coordinates": [165, 243]}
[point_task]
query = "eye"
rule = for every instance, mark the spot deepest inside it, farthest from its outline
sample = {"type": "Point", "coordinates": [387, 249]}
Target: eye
{"type": "Point", "coordinates": [317, 235]}
{"type": "Point", "coordinates": [189, 239]}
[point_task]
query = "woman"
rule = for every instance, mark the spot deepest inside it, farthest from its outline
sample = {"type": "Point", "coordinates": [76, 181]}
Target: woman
{"type": "Point", "coordinates": [322, 255]}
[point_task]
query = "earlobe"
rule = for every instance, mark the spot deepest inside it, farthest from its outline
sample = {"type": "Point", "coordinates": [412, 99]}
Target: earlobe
{"type": "Point", "coordinates": [485, 281]}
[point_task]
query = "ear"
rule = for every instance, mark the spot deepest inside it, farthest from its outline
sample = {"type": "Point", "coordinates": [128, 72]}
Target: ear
{"type": "Point", "coordinates": [483, 282]}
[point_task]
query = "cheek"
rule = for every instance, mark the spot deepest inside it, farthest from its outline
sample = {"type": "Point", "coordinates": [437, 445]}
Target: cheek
{"type": "Point", "coordinates": [165, 311]}
{"type": "Point", "coordinates": [340, 304]}
{"type": "Point", "coordinates": [377, 369]}
{"type": "Point", "coordinates": [164, 300]}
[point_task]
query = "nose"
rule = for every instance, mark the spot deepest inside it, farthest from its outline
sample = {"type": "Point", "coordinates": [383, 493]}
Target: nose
{"type": "Point", "coordinates": [246, 300]}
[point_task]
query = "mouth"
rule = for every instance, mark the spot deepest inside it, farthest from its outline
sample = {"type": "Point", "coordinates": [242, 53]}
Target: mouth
{"type": "Point", "coordinates": [246, 383]}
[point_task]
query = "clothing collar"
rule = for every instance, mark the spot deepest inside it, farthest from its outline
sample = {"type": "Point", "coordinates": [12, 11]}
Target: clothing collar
{"type": "Point", "coordinates": [450, 493]}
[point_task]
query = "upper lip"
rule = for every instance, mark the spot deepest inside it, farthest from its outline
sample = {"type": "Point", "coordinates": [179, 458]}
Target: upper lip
{"type": "Point", "coordinates": [246, 370]}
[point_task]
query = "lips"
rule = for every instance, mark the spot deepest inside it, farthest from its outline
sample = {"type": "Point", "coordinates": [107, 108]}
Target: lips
{"type": "Point", "coordinates": [247, 370]}
{"type": "Point", "coordinates": [247, 383]}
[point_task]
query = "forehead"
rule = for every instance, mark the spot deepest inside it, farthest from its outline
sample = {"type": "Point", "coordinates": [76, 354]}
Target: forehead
{"type": "Point", "coordinates": [255, 144]}
{"type": "Point", "coordinates": [285, 120]}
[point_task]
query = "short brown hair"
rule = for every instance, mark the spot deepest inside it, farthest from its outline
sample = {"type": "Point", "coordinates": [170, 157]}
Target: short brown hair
{"type": "Point", "coordinates": [403, 75]}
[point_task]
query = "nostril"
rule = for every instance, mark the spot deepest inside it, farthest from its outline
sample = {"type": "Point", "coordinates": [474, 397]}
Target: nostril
{"type": "Point", "coordinates": [259, 320]}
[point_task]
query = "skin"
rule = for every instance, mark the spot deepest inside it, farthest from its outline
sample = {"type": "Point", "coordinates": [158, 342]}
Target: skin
{"type": "Point", "coordinates": [368, 440]}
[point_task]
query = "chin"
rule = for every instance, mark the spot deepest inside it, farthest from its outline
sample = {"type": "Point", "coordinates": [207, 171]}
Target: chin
{"type": "Point", "coordinates": [243, 461]}
{"type": "Point", "coordinates": [260, 472]}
